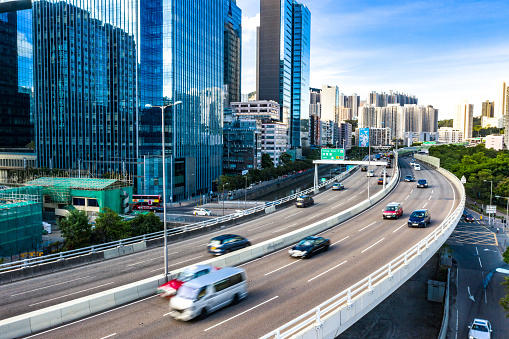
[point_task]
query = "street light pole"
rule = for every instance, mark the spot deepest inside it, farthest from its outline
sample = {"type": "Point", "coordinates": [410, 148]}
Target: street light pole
{"type": "Point", "coordinates": [491, 194]}
{"type": "Point", "coordinates": [507, 208]}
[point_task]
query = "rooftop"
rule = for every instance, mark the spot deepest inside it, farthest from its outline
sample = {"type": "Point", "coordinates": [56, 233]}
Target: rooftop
{"type": "Point", "coordinates": [76, 183]}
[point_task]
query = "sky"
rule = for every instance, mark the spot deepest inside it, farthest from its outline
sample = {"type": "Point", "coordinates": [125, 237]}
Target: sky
{"type": "Point", "coordinates": [443, 52]}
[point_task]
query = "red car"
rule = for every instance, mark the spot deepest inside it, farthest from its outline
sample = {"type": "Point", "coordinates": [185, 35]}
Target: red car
{"type": "Point", "coordinates": [169, 289]}
{"type": "Point", "coordinates": [393, 210]}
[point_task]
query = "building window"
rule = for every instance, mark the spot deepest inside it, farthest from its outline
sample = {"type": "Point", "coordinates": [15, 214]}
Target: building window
{"type": "Point", "coordinates": [93, 203]}
{"type": "Point", "coordinates": [78, 201]}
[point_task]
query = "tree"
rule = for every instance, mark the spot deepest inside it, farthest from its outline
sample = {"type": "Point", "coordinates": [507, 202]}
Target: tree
{"type": "Point", "coordinates": [266, 161]}
{"type": "Point", "coordinates": [286, 158]}
{"type": "Point", "coordinates": [145, 224]}
{"type": "Point", "coordinates": [110, 227]}
{"type": "Point", "coordinates": [75, 229]}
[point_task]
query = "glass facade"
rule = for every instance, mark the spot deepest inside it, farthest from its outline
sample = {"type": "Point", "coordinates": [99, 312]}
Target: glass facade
{"type": "Point", "coordinates": [232, 51]}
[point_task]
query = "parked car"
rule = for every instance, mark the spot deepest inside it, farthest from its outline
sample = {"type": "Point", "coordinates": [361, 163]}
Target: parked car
{"type": "Point", "coordinates": [338, 187]}
{"type": "Point", "coordinates": [304, 201]}
{"type": "Point", "coordinates": [394, 210]}
{"type": "Point", "coordinates": [201, 211]}
{"type": "Point", "coordinates": [422, 183]}
{"type": "Point", "coordinates": [309, 246]}
{"type": "Point", "coordinates": [227, 243]}
{"type": "Point", "coordinates": [419, 218]}
{"type": "Point", "coordinates": [409, 178]}
{"type": "Point", "coordinates": [169, 289]}
{"type": "Point", "coordinates": [480, 329]}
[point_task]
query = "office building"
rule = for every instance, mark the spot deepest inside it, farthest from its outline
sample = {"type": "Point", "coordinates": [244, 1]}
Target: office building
{"type": "Point", "coordinates": [488, 109]}
{"type": "Point", "coordinates": [502, 106]}
{"type": "Point", "coordinates": [464, 119]}
{"type": "Point", "coordinates": [495, 142]}
{"type": "Point", "coordinates": [232, 51]}
{"type": "Point", "coordinates": [449, 135]}
{"type": "Point", "coordinates": [487, 122]}
{"type": "Point", "coordinates": [354, 102]}
{"type": "Point", "coordinates": [260, 109]}
{"type": "Point", "coordinates": [242, 145]}
{"type": "Point", "coordinates": [345, 135]}
{"type": "Point", "coordinates": [329, 100]}
{"type": "Point", "coordinates": [274, 140]}
{"type": "Point", "coordinates": [283, 49]}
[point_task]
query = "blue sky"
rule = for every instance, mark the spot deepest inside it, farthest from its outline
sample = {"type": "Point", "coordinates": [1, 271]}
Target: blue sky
{"type": "Point", "coordinates": [443, 52]}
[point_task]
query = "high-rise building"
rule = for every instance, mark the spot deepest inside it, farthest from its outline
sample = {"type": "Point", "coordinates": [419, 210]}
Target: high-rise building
{"type": "Point", "coordinates": [464, 119]}
{"type": "Point", "coordinates": [283, 47]}
{"type": "Point", "coordinates": [502, 106]}
{"type": "Point", "coordinates": [488, 109]}
{"type": "Point", "coordinates": [242, 145]}
{"type": "Point", "coordinates": [354, 102]}
{"type": "Point", "coordinates": [232, 51]}
{"type": "Point", "coordinates": [329, 100]}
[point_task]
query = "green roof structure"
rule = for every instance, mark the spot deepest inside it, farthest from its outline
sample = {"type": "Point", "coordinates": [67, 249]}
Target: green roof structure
{"type": "Point", "coordinates": [76, 183]}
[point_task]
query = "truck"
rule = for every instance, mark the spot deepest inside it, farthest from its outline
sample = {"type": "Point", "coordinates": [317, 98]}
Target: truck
{"type": "Point", "coordinates": [377, 157]}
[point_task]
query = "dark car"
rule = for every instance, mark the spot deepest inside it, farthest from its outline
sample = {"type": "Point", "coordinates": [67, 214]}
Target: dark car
{"type": "Point", "coordinates": [389, 165]}
{"type": "Point", "coordinates": [469, 217]}
{"type": "Point", "coordinates": [380, 181]}
{"type": "Point", "coordinates": [419, 218]}
{"type": "Point", "coordinates": [364, 168]}
{"type": "Point", "coordinates": [409, 178]}
{"type": "Point", "coordinates": [309, 246]}
{"type": "Point", "coordinates": [304, 201]}
{"type": "Point", "coordinates": [227, 243]}
{"type": "Point", "coordinates": [422, 183]}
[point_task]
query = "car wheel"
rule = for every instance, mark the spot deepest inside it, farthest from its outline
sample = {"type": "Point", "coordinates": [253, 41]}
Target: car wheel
{"type": "Point", "coordinates": [235, 299]}
{"type": "Point", "coordinates": [204, 313]}
{"type": "Point", "coordinates": [248, 244]}
{"type": "Point", "coordinates": [326, 248]}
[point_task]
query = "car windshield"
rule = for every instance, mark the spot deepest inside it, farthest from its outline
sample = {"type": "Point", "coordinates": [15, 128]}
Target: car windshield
{"type": "Point", "coordinates": [417, 215]}
{"type": "Point", "coordinates": [215, 243]}
{"type": "Point", "coordinates": [408, 177]}
{"type": "Point", "coordinates": [480, 328]}
{"type": "Point", "coordinates": [390, 208]}
{"type": "Point", "coordinates": [188, 292]}
{"type": "Point", "coordinates": [422, 181]}
{"type": "Point", "coordinates": [306, 242]}
{"type": "Point", "coordinates": [186, 276]}
{"type": "Point", "coordinates": [300, 199]}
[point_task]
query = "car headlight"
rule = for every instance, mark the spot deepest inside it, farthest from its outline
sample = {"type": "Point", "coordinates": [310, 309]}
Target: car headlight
{"type": "Point", "coordinates": [470, 337]}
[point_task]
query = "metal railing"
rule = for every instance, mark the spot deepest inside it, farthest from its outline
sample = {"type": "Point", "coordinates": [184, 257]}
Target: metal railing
{"type": "Point", "coordinates": [182, 229]}
{"type": "Point", "coordinates": [313, 316]}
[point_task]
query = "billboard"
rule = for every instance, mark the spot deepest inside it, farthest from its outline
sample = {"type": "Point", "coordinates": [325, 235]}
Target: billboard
{"type": "Point", "coordinates": [364, 137]}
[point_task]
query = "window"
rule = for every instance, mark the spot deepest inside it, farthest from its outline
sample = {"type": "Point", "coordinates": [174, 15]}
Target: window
{"type": "Point", "coordinates": [78, 201]}
{"type": "Point", "coordinates": [221, 285]}
{"type": "Point", "coordinates": [93, 203]}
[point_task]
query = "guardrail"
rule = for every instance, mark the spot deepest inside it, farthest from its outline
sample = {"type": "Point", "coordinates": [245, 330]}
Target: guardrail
{"type": "Point", "coordinates": [182, 229]}
{"type": "Point", "coordinates": [333, 316]}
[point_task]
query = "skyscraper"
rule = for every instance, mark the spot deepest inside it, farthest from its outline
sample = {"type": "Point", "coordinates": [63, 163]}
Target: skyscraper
{"type": "Point", "coordinates": [488, 109]}
{"type": "Point", "coordinates": [502, 106]}
{"type": "Point", "coordinates": [464, 119]}
{"type": "Point", "coordinates": [283, 60]}
{"type": "Point", "coordinates": [232, 51]}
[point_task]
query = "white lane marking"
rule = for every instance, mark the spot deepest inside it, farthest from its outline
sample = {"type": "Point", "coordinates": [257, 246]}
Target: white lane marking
{"type": "Point", "coordinates": [315, 215]}
{"type": "Point", "coordinates": [407, 197]}
{"type": "Point", "coordinates": [63, 296]}
{"type": "Point", "coordinates": [398, 228]}
{"type": "Point", "coordinates": [331, 198]}
{"type": "Point", "coordinates": [177, 263]}
{"type": "Point", "coordinates": [457, 320]}
{"type": "Point", "coordinates": [431, 191]}
{"type": "Point", "coordinates": [330, 269]}
{"type": "Point", "coordinates": [485, 298]}
{"type": "Point", "coordinates": [372, 245]}
{"type": "Point", "coordinates": [374, 222]}
{"type": "Point", "coordinates": [140, 262]}
{"type": "Point", "coordinates": [470, 295]}
{"type": "Point", "coordinates": [40, 288]}
{"type": "Point", "coordinates": [411, 191]}
{"type": "Point", "coordinates": [351, 198]}
{"type": "Point", "coordinates": [264, 225]}
{"type": "Point", "coordinates": [279, 230]}
{"type": "Point", "coordinates": [277, 269]}
{"type": "Point", "coordinates": [424, 205]}
{"type": "Point", "coordinates": [340, 240]}
{"type": "Point", "coordinates": [476, 251]}
{"type": "Point", "coordinates": [111, 335]}
{"type": "Point", "coordinates": [429, 197]}
{"type": "Point", "coordinates": [93, 316]}
{"type": "Point", "coordinates": [293, 215]}
{"type": "Point", "coordinates": [252, 308]}
{"type": "Point", "coordinates": [479, 261]}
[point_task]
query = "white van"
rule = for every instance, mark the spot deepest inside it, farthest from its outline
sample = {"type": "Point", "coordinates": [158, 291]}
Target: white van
{"type": "Point", "coordinates": [208, 293]}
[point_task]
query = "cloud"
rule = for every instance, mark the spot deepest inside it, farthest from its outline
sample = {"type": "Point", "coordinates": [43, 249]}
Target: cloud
{"type": "Point", "coordinates": [249, 25]}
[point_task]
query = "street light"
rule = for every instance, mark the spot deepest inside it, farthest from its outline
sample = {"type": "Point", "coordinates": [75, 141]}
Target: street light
{"type": "Point", "coordinates": [164, 177]}
{"type": "Point", "coordinates": [507, 208]}
{"type": "Point", "coordinates": [491, 194]}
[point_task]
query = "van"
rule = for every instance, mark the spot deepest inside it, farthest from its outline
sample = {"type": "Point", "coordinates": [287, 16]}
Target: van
{"type": "Point", "coordinates": [208, 293]}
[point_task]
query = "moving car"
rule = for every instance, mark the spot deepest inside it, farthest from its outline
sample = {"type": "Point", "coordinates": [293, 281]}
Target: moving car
{"type": "Point", "coordinates": [384, 172]}
{"type": "Point", "coordinates": [304, 201]}
{"type": "Point", "coordinates": [419, 218]}
{"type": "Point", "coordinates": [201, 211]}
{"type": "Point", "coordinates": [370, 173]}
{"type": "Point", "coordinates": [226, 243]}
{"type": "Point", "coordinates": [364, 168]}
{"type": "Point", "coordinates": [309, 246]}
{"type": "Point", "coordinates": [393, 210]}
{"type": "Point", "coordinates": [208, 293]}
{"type": "Point", "coordinates": [409, 178]}
{"type": "Point", "coordinates": [417, 167]}
{"type": "Point", "coordinates": [422, 183]}
{"type": "Point", "coordinates": [169, 289]}
{"type": "Point", "coordinates": [389, 165]}
{"type": "Point", "coordinates": [469, 218]}
{"type": "Point", "coordinates": [479, 329]}
{"type": "Point", "coordinates": [380, 181]}
{"type": "Point", "coordinates": [238, 213]}
{"type": "Point", "coordinates": [338, 187]}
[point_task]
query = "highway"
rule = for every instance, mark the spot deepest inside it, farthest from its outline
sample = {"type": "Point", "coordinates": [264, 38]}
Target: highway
{"type": "Point", "coordinates": [282, 288]}
{"type": "Point", "coordinates": [43, 291]}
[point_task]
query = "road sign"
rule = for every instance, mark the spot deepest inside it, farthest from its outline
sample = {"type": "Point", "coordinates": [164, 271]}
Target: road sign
{"type": "Point", "coordinates": [333, 154]}
{"type": "Point", "coordinates": [429, 143]}
{"type": "Point", "coordinates": [324, 179]}
{"type": "Point", "coordinates": [244, 172]}
{"type": "Point", "coordinates": [491, 209]}
{"type": "Point", "coordinates": [463, 180]}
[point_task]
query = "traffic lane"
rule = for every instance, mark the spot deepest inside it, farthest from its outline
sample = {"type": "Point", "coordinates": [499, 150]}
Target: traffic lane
{"type": "Point", "coordinates": [36, 293]}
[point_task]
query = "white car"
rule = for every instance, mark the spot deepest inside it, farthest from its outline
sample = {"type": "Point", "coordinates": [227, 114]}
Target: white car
{"type": "Point", "coordinates": [480, 329]}
{"type": "Point", "coordinates": [238, 213]}
{"type": "Point", "coordinates": [370, 173]}
{"type": "Point", "coordinates": [201, 211]}
{"type": "Point", "coordinates": [417, 167]}
{"type": "Point", "coordinates": [412, 162]}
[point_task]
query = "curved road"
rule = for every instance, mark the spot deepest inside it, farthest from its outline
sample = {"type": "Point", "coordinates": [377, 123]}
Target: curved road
{"type": "Point", "coordinates": [282, 288]}
{"type": "Point", "coordinates": [43, 291]}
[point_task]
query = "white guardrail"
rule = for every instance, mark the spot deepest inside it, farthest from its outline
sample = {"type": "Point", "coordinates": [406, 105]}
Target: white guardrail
{"type": "Point", "coordinates": [335, 315]}
{"type": "Point", "coordinates": [182, 229]}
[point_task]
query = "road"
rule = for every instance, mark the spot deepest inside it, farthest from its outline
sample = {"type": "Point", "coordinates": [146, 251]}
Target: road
{"type": "Point", "coordinates": [475, 250]}
{"type": "Point", "coordinates": [282, 288]}
{"type": "Point", "coordinates": [43, 291]}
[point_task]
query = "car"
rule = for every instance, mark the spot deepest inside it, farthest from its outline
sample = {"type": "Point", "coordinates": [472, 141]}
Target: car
{"type": "Point", "coordinates": [380, 181]}
{"type": "Point", "coordinates": [412, 162]}
{"type": "Point", "coordinates": [384, 172]}
{"type": "Point", "coordinates": [394, 210]}
{"type": "Point", "coordinates": [364, 168]}
{"type": "Point", "coordinates": [304, 201]}
{"type": "Point", "coordinates": [469, 218]}
{"type": "Point", "coordinates": [238, 213]}
{"type": "Point", "coordinates": [370, 173]}
{"type": "Point", "coordinates": [480, 329]}
{"type": "Point", "coordinates": [152, 208]}
{"type": "Point", "coordinates": [338, 187]}
{"type": "Point", "coordinates": [169, 289]}
{"type": "Point", "coordinates": [419, 218]}
{"type": "Point", "coordinates": [409, 178]}
{"type": "Point", "coordinates": [389, 165]}
{"type": "Point", "coordinates": [226, 243]}
{"type": "Point", "coordinates": [417, 167]}
{"type": "Point", "coordinates": [201, 211]}
{"type": "Point", "coordinates": [309, 246]}
{"type": "Point", "coordinates": [422, 183]}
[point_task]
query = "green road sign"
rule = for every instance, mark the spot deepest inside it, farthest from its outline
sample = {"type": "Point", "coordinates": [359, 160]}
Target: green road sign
{"type": "Point", "coordinates": [429, 143]}
{"type": "Point", "coordinates": [333, 154]}
{"type": "Point", "coordinates": [324, 179]}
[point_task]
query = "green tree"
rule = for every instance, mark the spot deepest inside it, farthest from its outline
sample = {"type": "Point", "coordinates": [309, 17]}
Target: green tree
{"type": "Point", "coordinates": [110, 227]}
{"type": "Point", "coordinates": [75, 230]}
{"type": "Point", "coordinates": [145, 224]}
{"type": "Point", "coordinates": [266, 161]}
{"type": "Point", "coordinates": [286, 158]}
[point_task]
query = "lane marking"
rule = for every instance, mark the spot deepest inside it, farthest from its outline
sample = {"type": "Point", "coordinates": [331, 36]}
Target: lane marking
{"type": "Point", "coordinates": [279, 230]}
{"type": "Point", "coordinates": [140, 262]}
{"type": "Point", "coordinates": [315, 215]}
{"type": "Point", "coordinates": [398, 228]}
{"type": "Point", "coordinates": [252, 308]}
{"type": "Point", "coordinates": [374, 222]}
{"type": "Point", "coordinates": [407, 197]}
{"type": "Point", "coordinates": [330, 269]}
{"type": "Point", "coordinates": [351, 198]}
{"type": "Point", "coordinates": [424, 205]}
{"type": "Point", "coordinates": [340, 240]}
{"type": "Point", "coordinates": [476, 251]}
{"type": "Point", "coordinates": [282, 267]}
{"type": "Point", "coordinates": [40, 288]}
{"type": "Point", "coordinates": [158, 269]}
{"type": "Point", "coordinates": [63, 296]}
{"type": "Point", "coordinates": [289, 216]}
{"type": "Point", "coordinates": [431, 191]}
{"type": "Point", "coordinates": [111, 335]}
{"type": "Point", "coordinates": [93, 316]}
{"type": "Point", "coordinates": [331, 198]}
{"type": "Point", "coordinates": [479, 261]}
{"type": "Point", "coordinates": [430, 197]}
{"type": "Point", "coordinates": [411, 191]}
{"type": "Point", "coordinates": [372, 245]}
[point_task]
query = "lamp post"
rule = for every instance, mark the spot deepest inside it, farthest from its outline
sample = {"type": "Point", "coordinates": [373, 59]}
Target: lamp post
{"type": "Point", "coordinates": [245, 194]}
{"type": "Point", "coordinates": [507, 208]}
{"type": "Point", "coordinates": [491, 195]}
{"type": "Point", "coordinates": [164, 178]}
